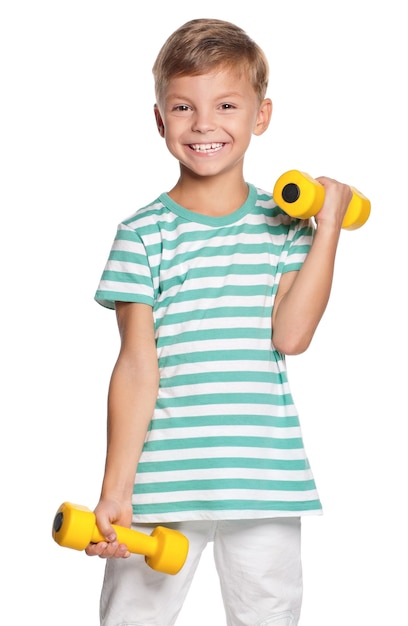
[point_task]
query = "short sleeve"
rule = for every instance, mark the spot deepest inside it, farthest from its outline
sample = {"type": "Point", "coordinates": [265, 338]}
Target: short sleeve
{"type": "Point", "coordinates": [298, 244]}
{"type": "Point", "coordinates": [127, 276]}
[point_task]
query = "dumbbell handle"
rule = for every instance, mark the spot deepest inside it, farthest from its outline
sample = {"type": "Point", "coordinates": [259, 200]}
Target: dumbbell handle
{"type": "Point", "coordinates": [301, 196]}
{"type": "Point", "coordinates": [136, 542]}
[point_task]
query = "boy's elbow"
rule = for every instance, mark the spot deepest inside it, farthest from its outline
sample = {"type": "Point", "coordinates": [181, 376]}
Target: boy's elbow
{"type": "Point", "coordinates": [292, 344]}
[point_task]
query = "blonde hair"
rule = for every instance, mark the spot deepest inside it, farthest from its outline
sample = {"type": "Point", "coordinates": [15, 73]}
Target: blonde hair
{"type": "Point", "coordinates": [203, 45]}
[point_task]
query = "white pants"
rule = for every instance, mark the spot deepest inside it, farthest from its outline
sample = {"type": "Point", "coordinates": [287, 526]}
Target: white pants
{"type": "Point", "coordinates": [258, 563]}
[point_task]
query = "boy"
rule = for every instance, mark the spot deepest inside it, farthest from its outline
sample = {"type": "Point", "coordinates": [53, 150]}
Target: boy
{"type": "Point", "coordinates": [212, 285]}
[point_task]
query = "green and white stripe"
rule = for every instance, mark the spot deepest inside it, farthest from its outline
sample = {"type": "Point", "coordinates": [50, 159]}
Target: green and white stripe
{"type": "Point", "coordinates": [224, 441]}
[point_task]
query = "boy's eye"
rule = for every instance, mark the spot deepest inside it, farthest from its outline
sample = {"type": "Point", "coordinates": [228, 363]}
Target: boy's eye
{"type": "Point", "coordinates": [227, 106]}
{"type": "Point", "coordinates": [181, 107]}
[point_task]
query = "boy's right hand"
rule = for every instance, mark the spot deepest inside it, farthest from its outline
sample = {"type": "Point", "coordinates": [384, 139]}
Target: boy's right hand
{"type": "Point", "coordinates": [110, 512]}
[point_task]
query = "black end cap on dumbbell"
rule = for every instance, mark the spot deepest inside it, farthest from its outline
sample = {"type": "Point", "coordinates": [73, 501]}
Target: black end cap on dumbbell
{"type": "Point", "coordinates": [290, 193]}
{"type": "Point", "coordinates": [58, 521]}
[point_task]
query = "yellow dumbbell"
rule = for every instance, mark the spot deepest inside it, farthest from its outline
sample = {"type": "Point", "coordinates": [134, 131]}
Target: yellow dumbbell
{"type": "Point", "coordinates": [301, 196]}
{"type": "Point", "coordinates": [165, 549]}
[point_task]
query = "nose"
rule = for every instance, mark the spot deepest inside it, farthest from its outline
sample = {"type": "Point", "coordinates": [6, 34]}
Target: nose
{"type": "Point", "coordinates": [203, 121]}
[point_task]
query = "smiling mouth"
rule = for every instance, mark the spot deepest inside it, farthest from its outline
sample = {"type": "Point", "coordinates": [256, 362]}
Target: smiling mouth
{"type": "Point", "coordinates": [206, 147]}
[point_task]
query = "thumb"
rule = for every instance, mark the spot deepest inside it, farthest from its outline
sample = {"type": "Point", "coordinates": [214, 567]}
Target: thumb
{"type": "Point", "coordinates": [105, 527]}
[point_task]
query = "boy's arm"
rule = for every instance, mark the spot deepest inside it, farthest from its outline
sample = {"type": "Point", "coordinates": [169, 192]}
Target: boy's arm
{"type": "Point", "coordinates": [302, 296]}
{"type": "Point", "coordinates": [131, 400]}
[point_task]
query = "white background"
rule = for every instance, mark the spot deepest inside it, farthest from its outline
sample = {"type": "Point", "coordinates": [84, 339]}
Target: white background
{"type": "Point", "coordinates": [79, 152]}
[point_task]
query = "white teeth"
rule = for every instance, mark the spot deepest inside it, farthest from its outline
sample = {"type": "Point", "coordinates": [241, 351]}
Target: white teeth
{"type": "Point", "coordinates": [206, 147]}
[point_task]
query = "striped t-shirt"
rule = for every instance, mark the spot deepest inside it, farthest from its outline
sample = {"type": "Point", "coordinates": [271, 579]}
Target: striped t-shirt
{"type": "Point", "coordinates": [224, 441]}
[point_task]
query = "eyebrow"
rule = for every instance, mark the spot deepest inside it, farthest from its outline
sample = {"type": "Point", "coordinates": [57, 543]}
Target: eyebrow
{"type": "Point", "coordinates": [225, 96]}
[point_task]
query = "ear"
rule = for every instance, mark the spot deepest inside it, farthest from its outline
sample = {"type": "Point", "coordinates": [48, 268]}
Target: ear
{"type": "Point", "coordinates": [264, 117]}
{"type": "Point", "coordinates": [159, 120]}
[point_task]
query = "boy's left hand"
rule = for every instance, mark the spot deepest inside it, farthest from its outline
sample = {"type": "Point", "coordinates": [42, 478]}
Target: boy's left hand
{"type": "Point", "coordinates": [336, 201]}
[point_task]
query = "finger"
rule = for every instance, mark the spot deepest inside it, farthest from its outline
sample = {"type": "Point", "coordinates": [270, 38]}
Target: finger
{"type": "Point", "coordinates": [106, 550]}
{"type": "Point", "coordinates": [96, 549]}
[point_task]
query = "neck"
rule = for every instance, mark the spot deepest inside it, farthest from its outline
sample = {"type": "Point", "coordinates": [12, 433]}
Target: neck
{"type": "Point", "coordinates": [214, 196]}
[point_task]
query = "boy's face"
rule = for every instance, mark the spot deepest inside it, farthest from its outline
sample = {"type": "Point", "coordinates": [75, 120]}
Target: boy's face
{"type": "Point", "coordinates": [208, 120]}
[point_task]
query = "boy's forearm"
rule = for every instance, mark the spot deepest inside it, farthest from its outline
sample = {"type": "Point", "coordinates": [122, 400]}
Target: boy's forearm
{"type": "Point", "coordinates": [302, 307]}
{"type": "Point", "coordinates": [131, 401]}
